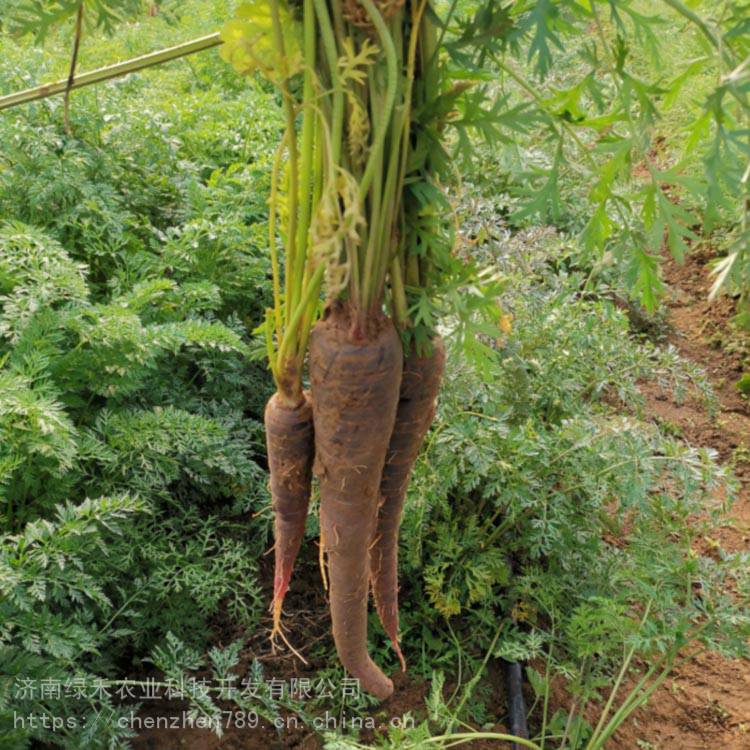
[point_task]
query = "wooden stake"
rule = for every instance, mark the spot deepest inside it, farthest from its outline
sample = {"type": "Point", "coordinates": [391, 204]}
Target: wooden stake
{"type": "Point", "coordinates": [111, 71]}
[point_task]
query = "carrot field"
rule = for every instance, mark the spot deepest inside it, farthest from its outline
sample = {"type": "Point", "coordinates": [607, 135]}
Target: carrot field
{"type": "Point", "coordinates": [374, 374]}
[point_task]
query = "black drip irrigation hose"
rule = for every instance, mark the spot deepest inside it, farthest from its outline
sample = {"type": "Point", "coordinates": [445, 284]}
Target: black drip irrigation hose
{"type": "Point", "coordinates": [513, 678]}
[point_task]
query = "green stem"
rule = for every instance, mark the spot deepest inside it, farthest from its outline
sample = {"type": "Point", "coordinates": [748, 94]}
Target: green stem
{"type": "Point", "coordinates": [620, 678]}
{"type": "Point", "coordinates": [293, 192]}
{"type": "Point", "coordinates": [272, 239]}
{"type": "Point", "coordinates": [411, 60]}
{"type": "Point", "coordinates": [309, 294]}
{"type": "Point", "coordinates": [400, 305]}
{"type": "Point", "coordinates": [374, 224]}
{"type": "Point", "coordinates": [547, 684]}
{"type": "Point", "coordinates": [376, 152]}
{"type": "Point", "coordinates": [273, 361]}
{"type": "Point", "coordinates": [307, 148]}
{"type": "Point", "coordinates": [637, 697]}
{"type": "Point", "coordinates": [390, 203]}
{"type": "Point", "coordinates": [462, 737]}
{"type": "Point", "coordinates": [392, 193]}
{"type": "Point", "coordinates": [312, 296]}
{"type": "Point", "coordinates": [475, 679]}
{"type": "Point", "coordinates": [329, 47]}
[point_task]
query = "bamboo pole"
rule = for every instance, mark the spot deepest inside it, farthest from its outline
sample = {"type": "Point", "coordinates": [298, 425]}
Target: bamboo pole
{"type": "Point", "coordinates": [111, 71]}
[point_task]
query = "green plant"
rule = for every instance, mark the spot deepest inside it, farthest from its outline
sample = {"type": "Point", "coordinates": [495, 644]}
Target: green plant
{"type": "Point", "coordinates": [56, 617]}
{"type": "Point", "coordinates": [129, 349]}
{"type": "Point", "coordinates": [124, 319]}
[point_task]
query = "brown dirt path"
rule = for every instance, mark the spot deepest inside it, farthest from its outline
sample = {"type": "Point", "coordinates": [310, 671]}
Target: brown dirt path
{"type": "Point", "coordinates": [705, 705]}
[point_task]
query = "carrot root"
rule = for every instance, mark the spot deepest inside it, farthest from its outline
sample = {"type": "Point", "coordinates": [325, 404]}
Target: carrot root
{"type": "Point", "coordinates": [355, 384]}
{"type": "Point", "coordinates": [290, 444]}
{"type": "Point", "coordinates": [420, 384]}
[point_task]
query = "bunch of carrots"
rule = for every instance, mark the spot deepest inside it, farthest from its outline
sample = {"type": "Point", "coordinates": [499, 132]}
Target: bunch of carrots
{"type": "Point", "coordinates": [352, 74]}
